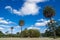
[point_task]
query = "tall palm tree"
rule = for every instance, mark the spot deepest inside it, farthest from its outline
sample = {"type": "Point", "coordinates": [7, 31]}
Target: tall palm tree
{"type": "Point", "coordinates": [11, 30]}
{"type": "Point", "coordinates": [21, 23]}
{"type": "Point", "coordinates": [49, 12]}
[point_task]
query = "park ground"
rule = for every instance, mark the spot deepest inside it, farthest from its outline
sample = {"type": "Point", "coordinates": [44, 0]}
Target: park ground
{"type": "Point", "coordinates": [29, 39]}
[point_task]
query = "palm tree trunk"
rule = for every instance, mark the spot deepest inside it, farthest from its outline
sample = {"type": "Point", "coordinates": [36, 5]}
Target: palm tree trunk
{"type": "Point", "coordinates": [54, 32]}
{"type": "Point", "coordinates": [21, 31]}
{"type": "Point", "coordinates": [53, 29]}
{"type": "Point", "coordinates": [11, 33]}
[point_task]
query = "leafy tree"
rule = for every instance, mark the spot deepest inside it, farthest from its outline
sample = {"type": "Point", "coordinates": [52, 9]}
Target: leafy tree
{"type": "Point", "coordinates": [30, 33]}
{"type": "Point", "coordinates": [49, 32]}
{"type": "Point", "coordinates": [1, 34]}
{"type": "Point", "coordinates": [34, 33]}
{"type": "Point", "coordinates": [25, 33]}
{"type": "Point", "coordinates": [58, 31]}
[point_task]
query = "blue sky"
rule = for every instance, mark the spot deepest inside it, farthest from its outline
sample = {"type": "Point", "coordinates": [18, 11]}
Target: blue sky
{"type": "Point", "coordinates": [31, 11]}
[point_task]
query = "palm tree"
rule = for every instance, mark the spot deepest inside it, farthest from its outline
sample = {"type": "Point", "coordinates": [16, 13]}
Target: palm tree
{"type": "Point", "coordinates": [21, 23]}
{"type": "Point", "coordinates": [6, 32]}
{"type": "Point", "coordinates": [11, 30]}
{"type": "Point", "coordinates": [49, 12]}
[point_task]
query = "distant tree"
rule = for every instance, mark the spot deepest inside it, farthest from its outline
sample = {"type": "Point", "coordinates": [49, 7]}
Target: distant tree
{"type": "Point", "coordinates": [18, 34]}
{"type": "Point", "coordinates": [6, 32]}
{"type": "Point", "coordinates": [1, 34]}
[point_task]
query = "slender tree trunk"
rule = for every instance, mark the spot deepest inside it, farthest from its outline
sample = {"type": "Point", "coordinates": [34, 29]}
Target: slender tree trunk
{"type": "Point", "coordinates": [53, 29]}
{"type": "Point", "coordinates": [11, 33]}
{"type": "Point", "coordinates": [54, 32]}
{"type": "Point", "coordinates": [21, 31]}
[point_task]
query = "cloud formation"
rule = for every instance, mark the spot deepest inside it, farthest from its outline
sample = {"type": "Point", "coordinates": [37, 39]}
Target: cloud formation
{"type": "Point", "coordinates": [41, 22]}
{"type": "Point", "coordinates": [30, 7]}
{"type": "Point", "coordinates": [2, 21]}
{"type": "Point", "coordinates": [5, 25]}
{"type": "Point", "coordinates": [33, 27]}
{"type": "Point", "coordinates": [1, 28]}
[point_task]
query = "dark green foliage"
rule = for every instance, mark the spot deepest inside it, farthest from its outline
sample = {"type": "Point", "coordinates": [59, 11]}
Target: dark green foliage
{"type": "Point", "coordinates": [48, 12]}
{"type": "Point", "coordinates": [30, 33]}
{"type": "Point", "coordinates": [58, 31]}
{"type": "Point", "coordinates": [25, 33]}
{"type": "Point", "coordinates": [1, 34]}
{"type": "Point", "coordinates": [34, 33]}
{"type": "Point", "coordinates": [21, 22]}
{"type": "Point", "coordinates": [49, 32]}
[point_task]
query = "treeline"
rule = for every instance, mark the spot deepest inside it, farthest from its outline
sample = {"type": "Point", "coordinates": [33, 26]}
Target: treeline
{"type": "Point", "coordinates": [36, 33]}
{"type": "Point", "coordinates": [25, 33]}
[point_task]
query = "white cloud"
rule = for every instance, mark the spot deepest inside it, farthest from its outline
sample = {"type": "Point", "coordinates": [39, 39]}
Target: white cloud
{"type": "Point", "coordinates": [5, 28]}
{"type": "Point", "coordinates": [30, 7]}
{"type": "Point", "coordinates": [1, 18]}
{"type": "Point", "coordinates": [38, 25]}
{"type": "Point", "coordinates": [2, 21]}
{"type": "Point", "coordinates": [43, 23]}
{"type": "Point", "coordinates": [15, 30]}
{"type": "Point", "coordinates": [1, 28]}
{"type": "Point", "coordinates": [6, 24]}
{"type": "Point", "coordinates": [42, 30]}
{"type": "Point", "coordinates": [33, 27]}
{"type": "Point", "coordinates": [9, 8]}
{"type": "Point", "coordinates": [37, 1]}
{"type": "Point", "coordinates": [41, 19]}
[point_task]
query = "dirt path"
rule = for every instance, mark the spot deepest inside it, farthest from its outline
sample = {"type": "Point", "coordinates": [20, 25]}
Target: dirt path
{"type": "Point", "coordinates": [29, 39]}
